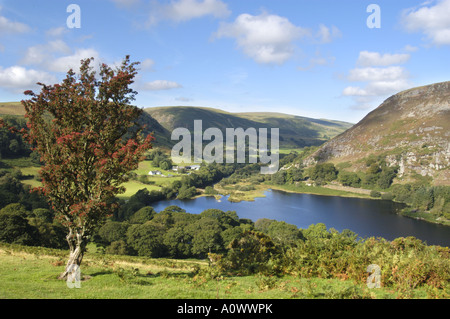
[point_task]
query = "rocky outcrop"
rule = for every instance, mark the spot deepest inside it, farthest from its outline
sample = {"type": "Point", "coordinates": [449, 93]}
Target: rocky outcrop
{"type": "Point", "coordinates": [410, 130]}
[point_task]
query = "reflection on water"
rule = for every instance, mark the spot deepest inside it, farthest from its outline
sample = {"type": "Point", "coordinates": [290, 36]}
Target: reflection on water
{"type": "Point", "coordinates": [365, 217]}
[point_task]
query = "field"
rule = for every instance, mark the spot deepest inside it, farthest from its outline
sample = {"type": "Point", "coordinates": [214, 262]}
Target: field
{"type": "Point", "coordinates": [31, 273]}
{"type": "Point", "coordinates": [30, 174]}
{"type": "Point", "coordinates": [11, 108]}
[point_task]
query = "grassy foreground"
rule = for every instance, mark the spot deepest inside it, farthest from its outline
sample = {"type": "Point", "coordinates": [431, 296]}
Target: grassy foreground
{"type": "Point", "coordinates": [31, 273]}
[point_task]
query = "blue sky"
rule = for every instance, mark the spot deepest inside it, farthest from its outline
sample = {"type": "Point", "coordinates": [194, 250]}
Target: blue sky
{"type": "Point", "coordinates": [311, 58]}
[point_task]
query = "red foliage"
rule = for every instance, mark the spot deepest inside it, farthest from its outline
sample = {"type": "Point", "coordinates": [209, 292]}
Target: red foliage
{"type": "Point", "coordinates": [86, 133]}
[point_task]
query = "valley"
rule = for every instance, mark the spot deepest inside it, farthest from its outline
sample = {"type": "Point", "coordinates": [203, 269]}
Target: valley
{"type": "Point", "coordinates": [385, 161]}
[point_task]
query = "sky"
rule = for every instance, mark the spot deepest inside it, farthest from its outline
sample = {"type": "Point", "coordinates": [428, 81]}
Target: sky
{"type": "Point", "coordinates": [326, 59]}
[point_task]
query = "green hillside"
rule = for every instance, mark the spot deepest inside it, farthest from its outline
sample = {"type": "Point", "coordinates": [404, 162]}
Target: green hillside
{"type": "Point", "coordinates": [295, 131]}
{"type": "Point", "coordinates": [161, 134]}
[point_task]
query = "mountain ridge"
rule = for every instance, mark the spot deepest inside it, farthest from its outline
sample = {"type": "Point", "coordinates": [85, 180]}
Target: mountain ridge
{"type": "Point", "coordinates": [410, 129]}
{"type": "Point", "coordinates": [295, 131]}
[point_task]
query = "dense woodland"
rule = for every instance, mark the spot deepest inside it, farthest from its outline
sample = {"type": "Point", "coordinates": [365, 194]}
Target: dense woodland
{"type": "Point", "coordinates": [12, 145]}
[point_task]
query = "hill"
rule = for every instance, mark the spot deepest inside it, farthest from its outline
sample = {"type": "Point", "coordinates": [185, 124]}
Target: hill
{"type": "Point", "coordinates": [410, 130]}
{"type": "Point", "coordinates": [152, 126]}
{"type": "Point", "coordinates": [295, 131]}
{"type": "Point", "coordinates": [11, 108]}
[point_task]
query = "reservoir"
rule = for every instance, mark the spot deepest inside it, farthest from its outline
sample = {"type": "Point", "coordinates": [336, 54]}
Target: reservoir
{"type": "Point", "coordinates": [365, 217]}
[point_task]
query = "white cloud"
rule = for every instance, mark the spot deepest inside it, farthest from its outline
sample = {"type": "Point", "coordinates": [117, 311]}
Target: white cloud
{"type": "Point", "coordinates": [185, 10]}
{"type": "Point", "coordinates": [57, 56]}
{"type": "Point", "coordinates": [7, 26]}
{"type": "Point", "coordinates": [367, 58]}
{"type": "Point", "coordinates": [318, 60]}
{"type": "Point", "coordinates": [326, 35]}
{"type": "Point", "coordinates": [354, 91]}
{"type": "Point", "coordinates": [42, 53]}
{"type": "Point", "coordinates": [64, 63]}
{"type": "Point", "coordinates": [265, 38]}
{"type": "Point", "coordinates": [380, 81]}
{"type": "Point", "coordinates": [432, 20]}
{"type": "Point", "coordinates": [378, 76]}
{"type": "Point", "coordinates": [18, 78]}
{"type": "Point", "coordinates": [56, 32]}
{"type": "Point", "coordinates": [159, 85]}
{"type": "Point", "coordinates": [371, 74]}
{"type": "Point", "coordinates": [410, 48]}
{"type": "Point", "coordinates": [147, 64]}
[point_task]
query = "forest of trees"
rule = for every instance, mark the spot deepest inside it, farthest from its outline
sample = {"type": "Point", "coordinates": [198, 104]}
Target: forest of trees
{"type": "Point", "coordinates": [11, 144]}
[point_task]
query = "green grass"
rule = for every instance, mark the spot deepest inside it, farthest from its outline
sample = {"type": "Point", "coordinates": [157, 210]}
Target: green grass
{"type": "Point", "coordinates": [133, 186]}
{"type": "Point", "coordinates": [30, 169]}
{"type": "Point", "coordinates": [237, 195]}
{"type": "Point", "coordinates": [31, 272]}
{"type": "Point", "coordinates": [316, 190]}
{"type": "Point", "coordinates": [146, 166]}
{"type": "Point", "coordinates": [11, 108]}
{"type": "Point", "coordinates": [295, 131]}
{"type": "Point", "coordinates": [22, 162]}
{"type": "Point", "coordinates": [286, 151]}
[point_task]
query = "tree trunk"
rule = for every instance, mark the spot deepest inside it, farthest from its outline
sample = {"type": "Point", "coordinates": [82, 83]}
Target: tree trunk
{"type": "Point", "coordinates": [77, 245]}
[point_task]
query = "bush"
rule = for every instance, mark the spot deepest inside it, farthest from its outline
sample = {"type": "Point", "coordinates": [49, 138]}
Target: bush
{"type": "Point", "coordinates": [324, 172]}
{"type": "Point", "coordinates": [349, 179]}
{"type": "Point", "coordinates": [147, 239]}
{"type": "Point", "coordinates": [117, 248]}
{"type": "Point", "coordinates": [142, 215]}
{"type": "Point", "coordinates": [375, 194]}
{"type": "Point", "coordinates": [14, 227]}
{"type": "Point", "coordinates": [186, 192]}
{"type": "Point", "coordinates": [209, 190]}
{"type": "Point", "coordinates": [250, 253]}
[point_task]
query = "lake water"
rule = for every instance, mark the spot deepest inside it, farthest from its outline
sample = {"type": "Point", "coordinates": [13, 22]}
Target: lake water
{"type": "Point", "coordinates": [365, 217]}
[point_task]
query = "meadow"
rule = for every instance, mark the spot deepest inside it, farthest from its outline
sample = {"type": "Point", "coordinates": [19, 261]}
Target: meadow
{"type": "Point", "coordinates": [31, 273]}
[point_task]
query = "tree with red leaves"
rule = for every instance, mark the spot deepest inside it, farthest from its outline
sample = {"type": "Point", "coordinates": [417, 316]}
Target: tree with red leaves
{"type": "Point", "coordinates": [86, 131]}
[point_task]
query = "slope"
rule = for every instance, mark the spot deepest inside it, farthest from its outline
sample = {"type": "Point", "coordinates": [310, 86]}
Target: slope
{"type": "Point", "coordinates": [161, 134]}
{"type": "Point", "coordinates": [410, 130]}
{"type": "Point", "coordinates": [295, 131]}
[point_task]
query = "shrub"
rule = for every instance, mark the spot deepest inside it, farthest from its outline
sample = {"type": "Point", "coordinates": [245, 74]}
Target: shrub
{"type": "Point", "coordinates": [209, 190]}
{"type": "Point", "coordinates": [349, 179]}
{"type": "Point", "coordinates": [143, 215]}
{"type": "Point", "coordinates": [375, 194]}
{"type": "Point", "coordinates": [118, 247]}
{"type": "Point", "coordinates": [250, 253]}
{"type": "Point", "coordinates": [326, 172]}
